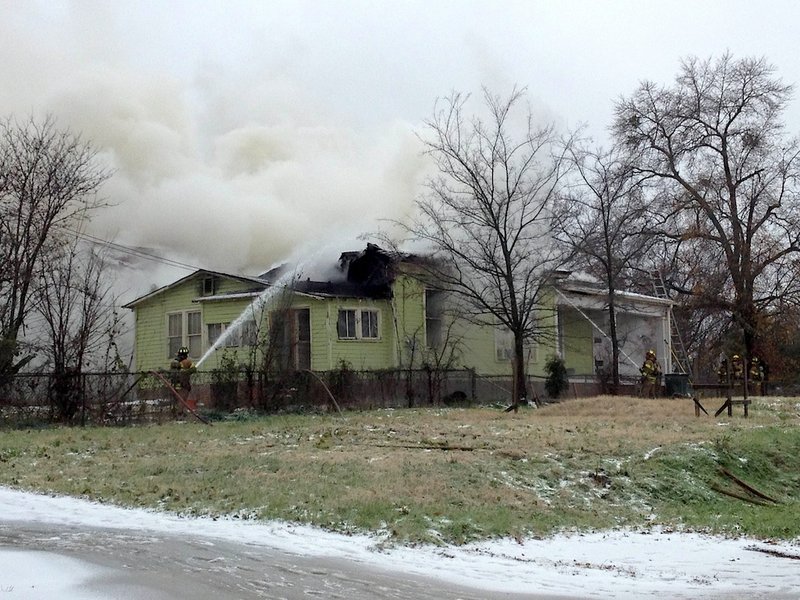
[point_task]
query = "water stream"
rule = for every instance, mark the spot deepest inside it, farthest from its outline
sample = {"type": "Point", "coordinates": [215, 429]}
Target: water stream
{"type": "Point", "coordinates": [253, 310]}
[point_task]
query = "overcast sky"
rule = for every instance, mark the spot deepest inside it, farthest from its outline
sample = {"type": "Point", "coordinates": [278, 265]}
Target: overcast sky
{"type": "Point", "coordinates": [241, 130]}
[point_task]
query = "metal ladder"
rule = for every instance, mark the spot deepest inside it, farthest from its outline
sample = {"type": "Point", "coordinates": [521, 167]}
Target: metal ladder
{"type": "Point", "coordinates": [680, 357]}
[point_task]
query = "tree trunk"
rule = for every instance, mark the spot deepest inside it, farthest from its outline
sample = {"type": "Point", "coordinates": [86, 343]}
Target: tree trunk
{"type": "Point", "coordinates": [612, 319]}
{"type": "Point", "coordinates": [520, 380]}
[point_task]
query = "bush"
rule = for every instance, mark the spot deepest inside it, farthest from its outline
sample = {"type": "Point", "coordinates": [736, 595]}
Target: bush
{"type": "Point", "coordinates": [557, 380]}
{"type": "Point", "coordinates": [225, 384]}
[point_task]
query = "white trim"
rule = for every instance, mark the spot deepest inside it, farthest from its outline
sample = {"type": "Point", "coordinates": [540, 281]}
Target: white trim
{"type": "Point", "coordinates": [358, 323]}
{"type": "Point", "coordinates": [185, 330]}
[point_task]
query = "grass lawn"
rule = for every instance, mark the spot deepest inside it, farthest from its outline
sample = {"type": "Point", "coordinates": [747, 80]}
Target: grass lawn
{"type": "Point", "coordinates": [444, 475]}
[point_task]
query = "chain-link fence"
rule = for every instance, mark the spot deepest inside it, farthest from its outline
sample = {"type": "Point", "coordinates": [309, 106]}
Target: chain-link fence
{"type": "Point", "coordinates": [128, 398]}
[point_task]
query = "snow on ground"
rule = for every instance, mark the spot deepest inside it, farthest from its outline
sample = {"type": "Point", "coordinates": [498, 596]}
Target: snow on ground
{"type": "Point", "coordinates": [620, 564]}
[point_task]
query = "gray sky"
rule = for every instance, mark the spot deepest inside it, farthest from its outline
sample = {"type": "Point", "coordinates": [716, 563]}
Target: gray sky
{"type": "Point", "coordinates": [241, 131]}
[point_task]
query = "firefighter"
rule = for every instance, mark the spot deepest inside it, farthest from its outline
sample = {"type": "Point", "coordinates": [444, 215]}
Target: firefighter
{"type": "Point", "coordinates": [756, 375]}
{"type": "Point", "coordinates": [737, 369]}
{"type": "Point", "coordinates": [651, 373]}
{"type": "Point", "coordinates": [182, 368]}
{"type": "Point", "coordinates": [722, 372]}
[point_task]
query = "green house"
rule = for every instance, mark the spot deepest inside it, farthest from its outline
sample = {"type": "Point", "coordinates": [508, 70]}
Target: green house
{"type": "Point", "coordinates": [376, 314]}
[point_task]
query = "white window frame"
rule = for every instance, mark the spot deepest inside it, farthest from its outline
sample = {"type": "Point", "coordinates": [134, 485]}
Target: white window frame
{"type": "Point", "coordinates": [434, 336]}
{"type": "Point", "coordinates": [371, 323]}
{"type": "Point", "coordinates": [360, 325]}
{"type": "Point", "coordinates": [232, 341]}
{"type": "Point", "coordinates": [184, 337]}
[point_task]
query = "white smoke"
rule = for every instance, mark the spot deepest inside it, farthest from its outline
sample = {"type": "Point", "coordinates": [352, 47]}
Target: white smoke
{"type": "Point", "coordinates": [229, 170]}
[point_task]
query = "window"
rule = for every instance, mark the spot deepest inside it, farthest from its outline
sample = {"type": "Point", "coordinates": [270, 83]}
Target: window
{"type": "Point", "coordinates": [174, 334]}
{"type": "Point", "coordinates": [346, 325]}
{"type": "Point", "coordinates": [214, 331]}
{"type": "Point", "coordinates": [434, 311]}
{"type": "Point", "coordinates": [504, 346]}
{"type": "Point", "coordinates": [194, 333]}
{"type": "Point", "coordinates": [290, 337]}
{"type": "Point", "coordinates": [208, 286]}
{"type": "Point", "coordinates": [249, 333]}
{"type": "Point", "coordinates": [369, 324]}
{"type": "Point", "coordinates": [302, 346]}
{"type": "Point", "coordinates": [354, 324]}
{"type": "Point", "coordinates": [185, 329]}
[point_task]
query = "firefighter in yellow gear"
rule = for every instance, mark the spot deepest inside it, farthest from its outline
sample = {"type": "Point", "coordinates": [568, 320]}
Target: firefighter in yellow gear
{"type": "Point", "coordinates": [651, 374]}
{"type": "Point", "coordinates": [756, 375]}
{"type": "Point", "coordinates": [182, 368]}
{"type": "Point", "coordinates": [737, 369]}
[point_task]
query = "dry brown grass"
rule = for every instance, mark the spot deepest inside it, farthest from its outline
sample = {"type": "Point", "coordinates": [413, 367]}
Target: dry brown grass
{"type": "Point", "coordinates": [420, 474]}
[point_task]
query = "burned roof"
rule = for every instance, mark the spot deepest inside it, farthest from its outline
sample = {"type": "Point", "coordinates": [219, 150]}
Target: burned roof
{"type": "Point", "coordinates": [343, 289]}
{"type": "Point", "coordinates": [367, 273]}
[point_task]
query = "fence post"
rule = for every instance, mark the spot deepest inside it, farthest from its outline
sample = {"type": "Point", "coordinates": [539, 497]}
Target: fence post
{"type": "Point", "coordinates": [82, 388]}
{"type": "Point", "coordinates": [473, 383]}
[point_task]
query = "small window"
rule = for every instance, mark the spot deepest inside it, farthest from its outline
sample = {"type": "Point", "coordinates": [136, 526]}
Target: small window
{"type": "Point", "coordinates": [434, 311]}
{"type": "Point", "coordinates": [209, 286]}
{"type": "Point", "coordinates": [358, 324]}
{"type": "Point", "coordinates": [214, 331]}
{"type": "Point", "coordinates": [185, 329]}
{"type": "Point", "coordinates": [346, 324]}
{"type": "Point", "coordinates": [249, 333]}
{"type": "Point", "coordinates": [232, 339]}
{"type": "Point", "coordinates": [503, 344]}
{"type": "Point", "coordinates": [174, 334]}
{"type": "Point", "coordinates": [194, 334]}
{"type": "Point", "coordinates": [369, 324]}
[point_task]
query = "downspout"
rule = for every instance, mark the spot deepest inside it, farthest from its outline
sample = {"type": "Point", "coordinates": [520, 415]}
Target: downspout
{"type": "Point", "coordinates": [329, 336]}
{"type": "Point", "coordinates": [396, 345]}
{"type": "Point", "coordinates": [667, 330]}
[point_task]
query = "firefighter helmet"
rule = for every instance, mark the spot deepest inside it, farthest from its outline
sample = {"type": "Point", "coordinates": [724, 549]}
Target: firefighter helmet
{"type": "Point", "coordinates": [183, 351]}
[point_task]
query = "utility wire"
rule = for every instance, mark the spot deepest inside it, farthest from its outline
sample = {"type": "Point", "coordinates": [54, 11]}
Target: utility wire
{"type": "Point", "coordinates": [133, 251]}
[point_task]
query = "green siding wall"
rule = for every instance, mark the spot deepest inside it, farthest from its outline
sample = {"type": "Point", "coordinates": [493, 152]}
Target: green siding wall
{"type": "Point", "coordinates": [577, 338]}
{"type": "Point", "coordinates": [151, 349]}
{"type": "Point", "coordinates": [328, 351]}
{"type": "Point", "coordinates": [401, 327]}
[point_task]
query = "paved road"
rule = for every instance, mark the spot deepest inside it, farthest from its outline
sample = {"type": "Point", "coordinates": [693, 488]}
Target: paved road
{"type": "Point", "coordinates": [157, 566]}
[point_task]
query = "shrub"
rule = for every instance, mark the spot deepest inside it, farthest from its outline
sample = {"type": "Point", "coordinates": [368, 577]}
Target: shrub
{"type": "Point", "coordinates": [557, 380]}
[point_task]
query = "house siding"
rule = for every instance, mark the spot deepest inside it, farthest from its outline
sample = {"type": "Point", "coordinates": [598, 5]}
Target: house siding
{"type": "Point", "coordinates": [408, 306]}
{"type": "Point", "coordinates": [402, 336]}
{"type": "Point", "coordinates": [577, 338]}
{"type": "Point", "coordinates": [359, 354]}
{"type": "Point", "coordinates": [151, 350]}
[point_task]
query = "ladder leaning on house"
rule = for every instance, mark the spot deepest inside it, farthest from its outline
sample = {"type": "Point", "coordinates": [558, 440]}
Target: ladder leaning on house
{"type": "Point", "coordinates": [680, 358]}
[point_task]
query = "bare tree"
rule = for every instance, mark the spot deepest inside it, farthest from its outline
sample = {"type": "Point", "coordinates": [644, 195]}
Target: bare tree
{"type": "Point", "coordinates": [486, 215]}
{"type": "Point", "coordinates": [606, 223]}
{"type": "Point", "coordinates": [728, 178]}
{"type": "Point", "coordinates": [48, 178]}
{"type": "Point", "coordinates": [435, 350]}
{"type": "Point", "coordinates": [76, 304]}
